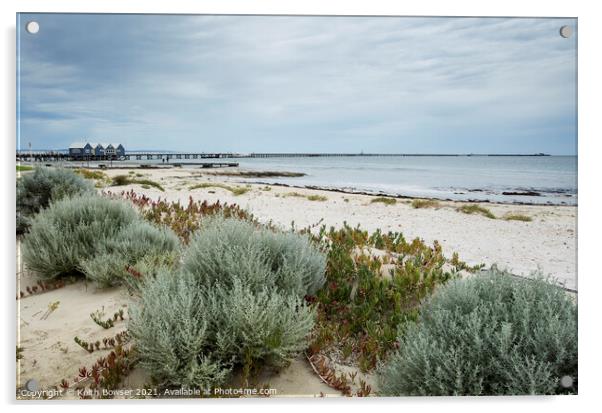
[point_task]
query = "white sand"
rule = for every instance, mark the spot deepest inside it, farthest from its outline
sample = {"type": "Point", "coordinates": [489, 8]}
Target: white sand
{"type": "Point", "coordinates": [50, 354]}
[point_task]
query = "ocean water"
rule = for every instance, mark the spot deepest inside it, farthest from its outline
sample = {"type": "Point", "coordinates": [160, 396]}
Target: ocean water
{"type": "Point", "coordinates": [505, 179]}
{"type": "Point", "coordinates": [550, 179]}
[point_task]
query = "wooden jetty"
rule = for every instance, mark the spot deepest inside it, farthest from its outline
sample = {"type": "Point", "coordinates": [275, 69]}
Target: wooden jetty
{"type": "Point", "coordinates": [168, 157]}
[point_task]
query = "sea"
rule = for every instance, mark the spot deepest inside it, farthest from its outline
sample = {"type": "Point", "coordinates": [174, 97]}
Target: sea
{"type": "Point", "coordinates": [504, 179]}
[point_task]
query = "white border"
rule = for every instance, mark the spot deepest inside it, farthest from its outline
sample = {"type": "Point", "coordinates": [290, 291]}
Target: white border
{"type": "Point", "coordinates": [589, 172]}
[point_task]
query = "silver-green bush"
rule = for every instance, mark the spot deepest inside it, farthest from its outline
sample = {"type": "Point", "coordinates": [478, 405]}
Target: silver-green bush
{"type": "Point", "coordinates": [72, 230]}
{"type": "Point", "coordinates": [259, 327]}
{"type": "Point", "coordinates": [171, 324]}
{"type": "Point", "coordinates": [191, 336]}
{"type": "Point", "coordinates": [149, 266]}
{"type": "Point", "coordinates": [230, 305]}
{"type": "Point", "coordinates": [106, 269]}
{"type": "Point", "coordinates": [35, 191]}
{"type": "Point", "coordinates": [97, 237]}
{"type": "Point", "coordinates": [489, 335]}
{"type": "Point", "coordinates": [227, 249]}
{"type": "Point", "coordinates": [136, 242]}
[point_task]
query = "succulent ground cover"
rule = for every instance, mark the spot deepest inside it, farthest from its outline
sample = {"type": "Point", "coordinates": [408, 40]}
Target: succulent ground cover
{"type": "Point", "coordinates": [182, 219]}
{"type": "Point", "coordinates": [374, 285]}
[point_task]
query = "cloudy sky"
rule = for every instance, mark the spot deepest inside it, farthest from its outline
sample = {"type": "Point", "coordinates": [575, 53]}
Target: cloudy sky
{"type": "Point", "coordinates": [306, 84]}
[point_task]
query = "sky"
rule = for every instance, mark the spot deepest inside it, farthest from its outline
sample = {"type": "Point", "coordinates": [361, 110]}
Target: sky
{"type": "Point", "coordinates": [298, 84]}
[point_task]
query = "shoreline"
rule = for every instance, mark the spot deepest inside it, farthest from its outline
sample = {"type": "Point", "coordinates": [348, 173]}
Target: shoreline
{"type": "Point", "coordinates": [238, 172]}
{"type": "Point", "coordinates": [408, 197]}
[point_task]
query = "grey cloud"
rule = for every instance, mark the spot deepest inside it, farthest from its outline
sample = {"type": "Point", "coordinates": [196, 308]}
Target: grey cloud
{"type": "Point", "coordinates": [242, 83]}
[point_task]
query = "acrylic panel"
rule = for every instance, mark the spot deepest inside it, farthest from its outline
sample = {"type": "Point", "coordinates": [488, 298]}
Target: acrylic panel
{"type": "Point", "coordinates": [312, 206]}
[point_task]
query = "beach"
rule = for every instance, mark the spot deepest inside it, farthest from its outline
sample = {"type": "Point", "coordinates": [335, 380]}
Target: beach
{"type": "Point", "coordinates": [273, 206]}
{"type": "Point", "coordinates": [546, 243]}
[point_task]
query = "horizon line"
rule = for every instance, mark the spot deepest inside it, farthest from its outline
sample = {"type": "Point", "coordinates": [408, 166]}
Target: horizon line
{"type": "Point", "coordinates": [297, 153]}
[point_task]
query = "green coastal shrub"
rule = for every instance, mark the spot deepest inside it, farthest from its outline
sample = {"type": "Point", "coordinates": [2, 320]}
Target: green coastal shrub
{"type": "Point", "coordinates": [188, 335]}
{"type": "Point", "coordinates": [488, 335]}
{"type": "Point", "coordinates": [236, 302]}
{"type": "Point", "coordinates": [171, 325]}
{"type": "Point", "coordinates": [72, 230]}
{"type": "Point", "coordinates": [227, 249]}
{"type": "Point", "coordinates": [96, 237]}
{"type": "Point", "coordinates": [150, 265]}
{"type": "Point", "coordinates": [35, 191]}
{"type": "Point", "coordinates": [264, 326]}
{"type": "Point", "coordinates": [139, 240]}
{"type": "Point", "coordinates": [105, 268]}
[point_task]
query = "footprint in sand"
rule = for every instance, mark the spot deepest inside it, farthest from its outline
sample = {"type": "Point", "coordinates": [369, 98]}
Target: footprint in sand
{"type": "Point", "coordinates": [60, 346]}
{"type": "Point", "coordinates": [41, 335]}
